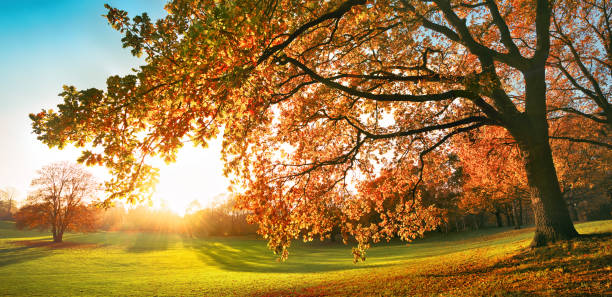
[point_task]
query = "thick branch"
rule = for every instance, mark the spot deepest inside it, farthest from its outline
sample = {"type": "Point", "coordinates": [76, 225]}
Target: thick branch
{"type": "Point", "coordinates": [336, 14]}
{"type": "Point", "coordinates": [434, 77]}
{"type": "Point", "coordinates": [580, 113]}
{"type": "Point", "coordinates": [378, 97]}
{"type": "Point", "coordinates": [463, 35]}
{"type": "Point", "coordinates": [370, 135]}
{"type": "Point", "coordinates": [543, 14]}
{"type": "Point", "coordinates": [506, 38]}
{"type": "Point", "coordinates": [582, 140]}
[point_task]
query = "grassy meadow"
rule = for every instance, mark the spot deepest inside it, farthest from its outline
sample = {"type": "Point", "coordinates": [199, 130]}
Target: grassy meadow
{"type": "Point", "coordinates": [488, 262]}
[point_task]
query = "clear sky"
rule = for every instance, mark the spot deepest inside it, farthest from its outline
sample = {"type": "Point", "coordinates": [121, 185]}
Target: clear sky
{"type": "Point", "coordinates": [46, 44]}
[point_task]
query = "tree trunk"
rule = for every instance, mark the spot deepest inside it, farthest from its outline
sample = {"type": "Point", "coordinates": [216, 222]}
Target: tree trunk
{"type": "Point", "coordinates": [516, 214]}
{"type": "Point", "coordinates": [498, 218]}
{"type": "Point", "coordinates": [509, 218]}
{"type": "Point", "coordinates": [568, 196]}
{"type": "Point", "coordinates": [574, 212]}
{"type": "Point", "coordinates": [530, 129]}
{"type": "Point", "coordinates": [57, 236]}
{"type": "Point", "coordinates": [481, 219]}
{"type": "Point", "coordinates": [520, 211]}
{"type": "Point", "coordinates": [552, 218]}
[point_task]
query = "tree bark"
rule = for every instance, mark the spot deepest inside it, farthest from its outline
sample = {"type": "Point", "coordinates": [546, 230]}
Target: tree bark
{"type": "Point", "coordinates": [57, 234]}
{"type": "Point", "coordinates": [57, 237]}
{"type": "Point", "coordinates": [551, 215]}
{"type": "Point", "coordinates": [552, 218]}
{"type": "Point", "coordinates": [530, 129]}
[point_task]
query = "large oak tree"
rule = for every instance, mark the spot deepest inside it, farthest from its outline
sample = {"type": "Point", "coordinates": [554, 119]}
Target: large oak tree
{"type": "Point", "coordinates": [315, 97]}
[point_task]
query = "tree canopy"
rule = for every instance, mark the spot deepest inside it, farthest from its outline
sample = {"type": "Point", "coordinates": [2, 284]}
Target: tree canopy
{"type": "Point", "coordinates": [315, 99]}
{"type": "Point", "coordinates": [62, 201]}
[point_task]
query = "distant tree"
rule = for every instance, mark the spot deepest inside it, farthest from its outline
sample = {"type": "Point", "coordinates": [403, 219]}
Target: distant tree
{"type": "Point", "coordinates": [220, 218]}
{"type": "Point", "coordinates": [114, 217]}
{"type": "Point", "coordinates": [193, 206]}
{"type": "Point", "coordinates": [7, 202]}
{"type": "Point", "coordinates": [62, 201]}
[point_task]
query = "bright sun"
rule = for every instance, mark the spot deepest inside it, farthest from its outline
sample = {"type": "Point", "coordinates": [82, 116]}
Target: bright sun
{"type": "Point", "coordinates": [197, 175]}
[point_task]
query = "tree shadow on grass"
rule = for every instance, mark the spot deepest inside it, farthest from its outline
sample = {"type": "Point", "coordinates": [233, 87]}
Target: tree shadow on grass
{"type": "Point", "coordinates": [253, 256]}
{"type": "Point", "coordinates": [20, 254]}
{"type": "Point", "coordinates": [149, 242]}
{"type": "Point", "coordinates": [578, 255]}
{"type": "Point", "coordinates": [579, 266]}
{"type": "Point", "coordinates": [26, 250]}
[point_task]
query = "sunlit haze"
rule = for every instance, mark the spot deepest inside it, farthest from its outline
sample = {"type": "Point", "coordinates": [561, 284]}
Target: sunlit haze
{"type": "Point", "coordinates": [46, 44]}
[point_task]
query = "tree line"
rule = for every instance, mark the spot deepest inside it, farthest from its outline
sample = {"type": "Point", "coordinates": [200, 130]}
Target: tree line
{"type": "Point", "coordinates": [8, 202]}
{"type": "Point", "coordinates": [220, 219]}
{"type": "Point", "coordinates": [477, 192]}
{"type": "Point", "coordinates": [66, 197]}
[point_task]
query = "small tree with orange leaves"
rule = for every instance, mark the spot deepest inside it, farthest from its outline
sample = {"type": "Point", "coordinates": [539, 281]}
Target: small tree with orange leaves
{"type": "Point", "coordinates": [60, 201]}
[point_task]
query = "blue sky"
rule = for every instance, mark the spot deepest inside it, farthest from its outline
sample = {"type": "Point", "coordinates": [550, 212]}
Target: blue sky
{"type": "Point", "coordinates": [47, 44]}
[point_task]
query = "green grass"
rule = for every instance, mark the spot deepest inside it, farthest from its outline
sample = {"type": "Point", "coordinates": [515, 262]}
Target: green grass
{"type": "Point", "coordinates": [487, 262]}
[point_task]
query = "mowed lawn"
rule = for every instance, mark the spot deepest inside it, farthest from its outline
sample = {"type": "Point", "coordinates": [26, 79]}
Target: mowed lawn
{"type": "Point", "coordinates": [493, 261]}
